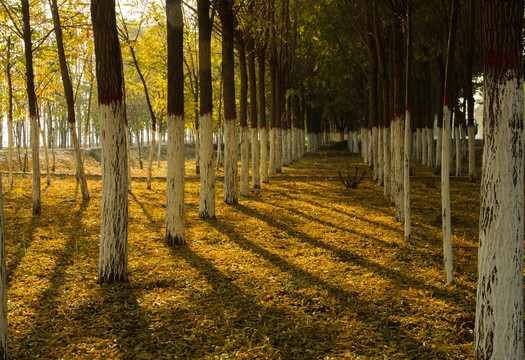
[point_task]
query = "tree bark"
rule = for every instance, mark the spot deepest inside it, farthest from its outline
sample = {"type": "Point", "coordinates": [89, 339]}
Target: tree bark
{"type": "Point", "coordinates": [262, 118]}
{"type": "Point", "coordinates": [175, 210]}
{"type": "Point", "coordinates": [3, 282]}
{"type": "Point", "coordinates": [207, 172]}
{"type": "Point", "coordinates": [231, 182]}
{"type": "Point", "coordinates": [498, 332]}
{"type": "Point", "coordinates": [9, 114]}
{"type": "Point", "coordinates": [252, 80]}
{"type": "Point", "coordinates": [30, 79]}
{"type": "Point", "coordinates": [243, 119]}
{"type": "Point", "coordinates": [70, 101]}
{"type": "Point", "coordinates": [113, 258]}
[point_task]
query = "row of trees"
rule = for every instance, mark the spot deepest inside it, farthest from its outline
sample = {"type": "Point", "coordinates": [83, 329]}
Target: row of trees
{"type": "Point", "coordinates": [323, 64]}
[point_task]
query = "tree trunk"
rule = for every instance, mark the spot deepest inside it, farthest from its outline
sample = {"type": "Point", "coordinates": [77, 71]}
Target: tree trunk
{"type": "Point", "coordinates": [46, 156]}
{"type": "Point", "coordinates": [252, 80]}
{"type": "Point", "coordinates": [231, 182]}
{"type": "Point", "coordinates": [262, 117]}
{"type": "Point", "coordinates": [9, 115]}
{"type": "Point", "coordinates": [498, 332]}
{"type": "Point", "coordinates": [243, 120]}
{"type": "Point", "coordinates": [113, 257]}
{"type": "Point", "coordinates": [207, 172]}
{"type": "Point", "coordinates": [408, 118]}
{"type": "Point", "coordinates": [68, 91]}
{"type": "Point", "coordinates": [175, 210]}
{"type": "Point", "coordinates": [445, 159]}
{"type": "Point", "coordinates": [30, 78]}
{"type": "Point", "coordinates": [3, 282]}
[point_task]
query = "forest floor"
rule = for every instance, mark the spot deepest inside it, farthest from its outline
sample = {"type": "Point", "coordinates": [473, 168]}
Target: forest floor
{"type": "Point", "coordinates": [303, 268]}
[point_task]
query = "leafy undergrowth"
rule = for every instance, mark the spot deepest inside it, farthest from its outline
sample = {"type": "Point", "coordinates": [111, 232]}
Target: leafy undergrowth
{"type": "Point", "coordinates": [301, 269]}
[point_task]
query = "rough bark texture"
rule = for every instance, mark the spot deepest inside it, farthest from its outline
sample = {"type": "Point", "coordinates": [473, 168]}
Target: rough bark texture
{"type": "Point", "coordinates": [207, 171]}
{"type": "Point", "coordinates": [499, 309]}
{"type": "Point", "coordinates": [175, 211]}
{"type": "Point", "coordinates": [113, 257]}
{"type": "Point", "coordinates": [262, 119]}
{"type": "Point", "coordinates": [243, 120]}
{"type": "Point", "coordinates": [254, 134]}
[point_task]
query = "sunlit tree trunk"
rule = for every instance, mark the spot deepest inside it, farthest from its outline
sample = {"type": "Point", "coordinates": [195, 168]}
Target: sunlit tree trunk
{"type": "Point", "coordinates": [9, 115]}
{"type": "Point", "coordinates": [46, 156]}
{"type": "Point", "coordinates": [175, 210]}
{"type": "Point", "coordinates": [30, 80]}
{"type": "Point", "coordinates": [68, 91]}
{"type": "Point", "coordinates": [498, 332]}
{"type": "Point", "coordinates": [113, 256]}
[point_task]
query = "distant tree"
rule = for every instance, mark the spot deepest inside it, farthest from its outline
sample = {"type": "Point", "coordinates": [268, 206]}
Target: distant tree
{"type": "Point", "coordinates": [499, 309]}
{"type": "Point", "coordinates": [175, 211]}
{"type": "Point", "coordinates": [113, 257]}
{"type": "Point", "coordinates": [3, 282]}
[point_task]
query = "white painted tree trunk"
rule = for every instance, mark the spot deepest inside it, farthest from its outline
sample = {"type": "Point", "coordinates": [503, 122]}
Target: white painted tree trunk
{"type": "Point", "coordinates": [219, 147]}
{"type": "Point", "coordinates": [128, 158]}
{"type": "Point", "coordinates": [419, 142]}
{"type": "Point", "coordinates": [245, 162]}
{"type": "Point", "coordinates": [264, 155]}
{"type": "Point", "coordinates": [445, 196]}
{"type": "Point", "coordinates": [364, 145]}
{"type": "Point", "coordinates": [113, 257]}
{"type": "Point", "coordinates": [150, 159]}
{"type": "Point", "coordinates": [406, 175]}
{"type": "Point", "coordinates": [256, 175]}
{"type": "Point", "coordinates": [398, 149]}
{"type": "Point", "coordinates": [471, 154]}
{"type": "Point", "coordinates": [370, 149]}
{"type": "Point", "coordinates": [379, 156]}
{"type": "Point", "coordinates": [175, 209]}
{"type": "Point", "coordinates": [207, 175]}
{"type": "Point", "coordinates": [197, 152]}
{"type": "Point", "coordinates": [430, 147]}
{"type": "Point", "coordinates": [46, 157]}
{"type": "Point", "coordinates": [35, 146]}
{"type": "Point", "coordinates": [424, 150]}
{"type": "Point", "coordinates": [356, 142]}
{"type": "Point", "coordinates": [290, 145]}
{"type": "Point", "coordinates": [81, 177]}
{"type": "Point", "coordinates": [10, 153]}
{"type": "Point", "coordinates": [386, 161]}
{"type": "Point", "coordinates": [3, 282]}
{"type": "Point", "coordinates": [159, 149]}
{"type": "Point", "coordinates": [499, 307]}
{"type": "Point", "coordinates": [309, 143]}
{"type": "Point", "coordinates": [284, 147]}
{"type": "Point", "coordinates": [459, 151]}
{"type": "Point", "coordinates": [273, 151]}
{"type": "Point", "coordinates": [279, 155]}
{"type": "Point", "coordinates": [231, 181]}
{"type": "Point", "coordinates": [374, 153]}
{"type": "Point", "coordinates": [439, 147]}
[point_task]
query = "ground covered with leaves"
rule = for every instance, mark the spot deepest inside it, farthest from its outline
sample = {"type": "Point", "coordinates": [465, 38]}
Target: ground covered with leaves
{"type": "Point", "coordinates": [301, 269]}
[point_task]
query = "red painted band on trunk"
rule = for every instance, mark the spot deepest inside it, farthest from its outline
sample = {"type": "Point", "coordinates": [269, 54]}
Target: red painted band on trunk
{"type": "Point", "coordinates": [106, 100]}
{"type": "Point", "coordinates": [32, 114]}
{"type": "Point", "coordinates": [86, 131]}
{"type": "Point", "coordinates": [126, 123]}
{"type": "Point", "coordinates": [262, 127]}
{"type": "Point", "coordinates": [274, 127]}
{"type": "Point", "coordinates": [205, 112]}
{"type": "Point", "coordinates": [253, 126]}
{"type": "Point", "coordinates": [447, 99]}
{"type": "Point", "coordinates": [243, 125]}
{"type": "Point", "coordinates": [11, 119]}
{"type": "Point", "coordinates": [175, 113]}
{"type": "Point", "coordinates": [71, 119]}
{"type": "Point", "coordinates": [399, 113]}
{"type": "Point", "coordinates": [230, 118]}
{"type": "Point", "coordinates": [502, 59]}
{"type": "Point", "coordinates": [408, 108]}
{"type": "Point", "coordinates": [154, 128]}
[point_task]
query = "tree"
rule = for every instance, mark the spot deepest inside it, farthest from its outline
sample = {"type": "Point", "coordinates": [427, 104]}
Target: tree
{"type": "Point", "coordinates": [231, 183]}
{"type": "Point", "coordinates": [33, 115]}
{"type": "Point", "coordinates": [252, 79]}
{"type": "Point", "coordinates": [262, 118]}
{"type": "Point", "coordinates": [175, 211]}
{"type": "Point", "coordinates": [243, 117]}
{"type": "Point", "coordinates": [68, 91]}
{"type": "Point", "coordinates": [207, 172]}
{"type": "Point", "coordinates": [113, 257]}
{"type": "Point", "coordinates": [499, 310]}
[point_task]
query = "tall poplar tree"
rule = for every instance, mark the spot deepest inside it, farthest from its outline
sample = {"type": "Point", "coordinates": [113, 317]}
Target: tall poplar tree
{"type": "Point", "coordinates": [113, 257]}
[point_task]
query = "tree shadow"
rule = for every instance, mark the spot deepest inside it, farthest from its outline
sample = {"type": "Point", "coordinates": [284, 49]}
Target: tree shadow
{"type": "Point", "coordinates": [366, 312]}
{"type": "Point", "coordinates": [401, 279]}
